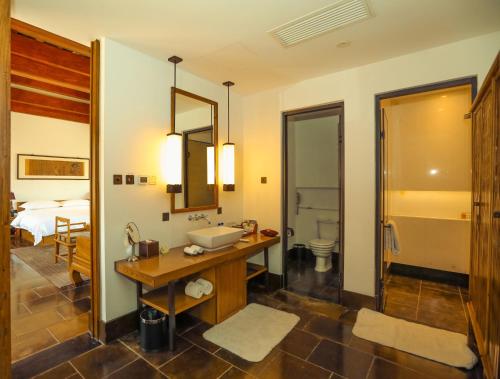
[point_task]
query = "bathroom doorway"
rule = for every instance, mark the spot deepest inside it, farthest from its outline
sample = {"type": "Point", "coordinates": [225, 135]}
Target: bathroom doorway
{"type": "Point", "coordinates": [313, 201]}
{"type": "Point", "coordinates": [424, 203]}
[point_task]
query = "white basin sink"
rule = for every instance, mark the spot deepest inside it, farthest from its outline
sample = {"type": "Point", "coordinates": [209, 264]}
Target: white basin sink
{"type": "Point", "coordinates": [216, 237]}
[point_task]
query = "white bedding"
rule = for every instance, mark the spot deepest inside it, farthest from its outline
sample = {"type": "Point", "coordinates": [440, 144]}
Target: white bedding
{"type": "Point", "coordinates": [41, 222]}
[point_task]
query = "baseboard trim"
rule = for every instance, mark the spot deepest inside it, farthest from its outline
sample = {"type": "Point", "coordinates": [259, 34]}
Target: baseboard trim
{"type": "Point", "coordinates": [356, 300]}
{"type": "Point", "coordinates": [424, 273]}
{"type": "Point", "coordinates": [118, 327]}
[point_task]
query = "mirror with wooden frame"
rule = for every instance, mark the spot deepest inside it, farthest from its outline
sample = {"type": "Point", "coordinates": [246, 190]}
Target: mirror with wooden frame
{"type": "Point", "coordinates": [195, 118]}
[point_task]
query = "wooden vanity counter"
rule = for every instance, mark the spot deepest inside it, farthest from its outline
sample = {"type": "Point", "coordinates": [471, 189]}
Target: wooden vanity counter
{"type": "Point", "coordinates": [158, 271]}
{"type": "Point", "coordinates": [227, 269]}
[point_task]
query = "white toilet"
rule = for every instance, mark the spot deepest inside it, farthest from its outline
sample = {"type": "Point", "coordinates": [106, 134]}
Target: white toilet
{"type": "Point", "coordinates": [323, 248]}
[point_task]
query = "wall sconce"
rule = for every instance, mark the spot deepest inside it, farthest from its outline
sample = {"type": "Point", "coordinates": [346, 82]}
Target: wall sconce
{"type": "Point", "coordinates": [173, 148]}
{"type": "Point", "coordinates": [228, 153]}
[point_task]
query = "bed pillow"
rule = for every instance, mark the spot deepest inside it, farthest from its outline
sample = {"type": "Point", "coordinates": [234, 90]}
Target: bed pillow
{"type": "Point", "coordinates": [75, 203]}
{"type": "Point", "coordinates": [42, 204]}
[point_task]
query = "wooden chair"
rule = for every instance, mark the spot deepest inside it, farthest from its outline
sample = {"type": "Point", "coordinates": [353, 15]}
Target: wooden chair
{"type": "Point", "coordinates": [66, 234]}
{"type": "Point", "coordinates": [80, 263]}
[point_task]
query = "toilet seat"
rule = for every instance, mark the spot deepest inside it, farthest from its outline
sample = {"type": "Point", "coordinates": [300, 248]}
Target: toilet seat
{"type": "Point", "coordinates": [322, 243]}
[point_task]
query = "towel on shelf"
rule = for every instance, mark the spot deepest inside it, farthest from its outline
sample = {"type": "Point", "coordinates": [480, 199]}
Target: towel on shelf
{"type": "Point", "coordinates": [392, 237]}
{"type": "Point", "coordinates": [194, 290]}
{"type": "Point", "coordinates": [205, 285]}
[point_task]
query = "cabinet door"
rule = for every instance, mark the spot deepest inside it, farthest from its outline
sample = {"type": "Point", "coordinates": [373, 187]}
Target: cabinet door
{"type": "Point", "coordinates": [231, 288]}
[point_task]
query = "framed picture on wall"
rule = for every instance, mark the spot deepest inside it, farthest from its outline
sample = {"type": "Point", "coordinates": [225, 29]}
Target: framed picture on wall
{"type": "Point", "coordinates": [46, 167]}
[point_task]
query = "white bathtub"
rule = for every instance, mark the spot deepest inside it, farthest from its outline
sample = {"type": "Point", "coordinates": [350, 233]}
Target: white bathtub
{"type": "Point", "coordinates": [438, 243]}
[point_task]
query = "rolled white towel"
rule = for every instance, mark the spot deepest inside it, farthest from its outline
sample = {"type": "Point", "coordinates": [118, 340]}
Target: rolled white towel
{"type": "Point", "coordinates": [198, 249]}
{"type": "Point", "coordinates": [205, 285]}
{"type": "Point", "coordinates": [194, 290]}
{"type": "Point", "coordinates": [190, 251]}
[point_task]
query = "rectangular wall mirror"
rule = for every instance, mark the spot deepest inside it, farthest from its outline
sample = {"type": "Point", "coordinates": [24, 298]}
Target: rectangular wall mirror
{"type": "Point", "coordinates": [195, 118]}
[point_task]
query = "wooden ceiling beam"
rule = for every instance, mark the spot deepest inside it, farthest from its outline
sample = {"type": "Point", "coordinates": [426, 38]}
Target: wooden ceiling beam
{"type": "Point", "coordinates": [45, 36]}
{"type": "Point", "coordinates": [46, 101]}
{"type": "Point", "coordinates": [49, 54]}
{"type": "Point", "coordinates": [31, 69]}
{"type": "Point", "coordinates": [48, 112]}
{"type": "Point", "coordinates": [32, 83]}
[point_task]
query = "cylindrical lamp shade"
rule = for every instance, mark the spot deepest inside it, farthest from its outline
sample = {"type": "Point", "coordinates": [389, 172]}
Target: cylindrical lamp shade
{"type": "Point", "coordinates": [210, 165]}
{"type": "Point", "coordinates": [228, 166]}
{"type": "Point", "coordinates": [173, 163]}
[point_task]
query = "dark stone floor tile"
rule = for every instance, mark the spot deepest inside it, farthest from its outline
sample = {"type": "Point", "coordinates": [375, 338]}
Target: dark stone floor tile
{"type": "Point", "coordinates": [74, 309]}
{"type": "Point", "coordinates": [400, 310]}
{"type": "Point", "coordinates": [52, 357]}
{"type": "Point", "coordinates": [36, 321]}
{"type": "Point", "coordinates": [401, 295]}
{"type": "Point", "coordinates": [253, 368]}
{"type": "Point", "coordinates": [137, 369]}
{"type": "Point", "coordinates": [235, 373]}
{"type": "Point", "coordinates": [403, 280]}
{"type": "Point", "coordinates": [46, 290]}
{"type": "Point", "coordinates": [77, 293]}
{"type": "Point", "coordinates": [195, 363]}
{"type": "Point", "coordinates": [195, 335]}
{"type": "Point", "coordinates": [342, 360]}
{"type": "Point", "coordinates": [47, 302]}
{"type": "Point", "coordinates": [30, 343]}
{"type": "Point", "coordinates": [64, 370]}
{"type": "Point", "coordinates": [454, 321]}
{"type": "Point", "coordinates": [67, 329]}
{"type": "Point", "coordinates": [24, 295]}
{"type": "Point", "coordinates": [331, 329]}
{"type": "Point", "coordinates": [299, 343]}
{"type": "Point", "coordinates": [303, 314]}
{"type": "Point", "coordinates": [18, 310]}
{"type": "Point", "coordinates": [325, 308]}
{"type": "Point", "coordinates": [349, 317]}
{"type": "Point", "coordinates": [440, 286]}
{"type": "Point", "coordinates": [425, 366]}
{"type": "Point", "coordinates": [433, 299]}
{"type": "Point", "coordinates": [104, 360]}
{"type": "Point", "coordinates": [382, 370]}
{"type": "Point", "coordinates": [184, 322]}
{"type": "Point", "coordinates": [286, 366]}
{"type": "Point", "coordinates": [132, 340]}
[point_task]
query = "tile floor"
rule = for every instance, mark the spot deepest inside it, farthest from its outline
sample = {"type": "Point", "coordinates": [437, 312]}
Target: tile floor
{"type": "Point", "coordinates": [320, 346]}
{"type": "Point", "coordinates": [431, 303]}
{"type": "Point", "coordinates": [304, 280]}
{"type": "Point", "coordinates": [42, 314]}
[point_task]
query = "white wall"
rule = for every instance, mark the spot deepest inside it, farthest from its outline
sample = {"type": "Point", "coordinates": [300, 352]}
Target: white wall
{"type": "Point", "coordinates": [135, 109]}
{"type": "Point", "coordinates": [48, 136]}
{"type": "Point", "coordinates": [357, 88]}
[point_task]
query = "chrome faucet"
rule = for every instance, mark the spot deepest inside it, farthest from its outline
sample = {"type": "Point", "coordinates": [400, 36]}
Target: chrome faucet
{"type": "Point", "coordinates": [201, 216]}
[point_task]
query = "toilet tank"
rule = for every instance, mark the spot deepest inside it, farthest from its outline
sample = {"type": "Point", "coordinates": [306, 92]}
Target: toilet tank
{"type": "Point", "coordinates": [328, 228]}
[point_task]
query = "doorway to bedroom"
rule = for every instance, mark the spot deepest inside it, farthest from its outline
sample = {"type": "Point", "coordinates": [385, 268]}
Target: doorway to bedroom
{"type": "Point", "coordinates": [53, 188]}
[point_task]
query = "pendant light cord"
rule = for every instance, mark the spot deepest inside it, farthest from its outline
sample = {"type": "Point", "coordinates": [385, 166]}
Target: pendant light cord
{"type": "Point", "coordinates": [175, 86]}
{"type": "Point", "coordinates": [227, 114]}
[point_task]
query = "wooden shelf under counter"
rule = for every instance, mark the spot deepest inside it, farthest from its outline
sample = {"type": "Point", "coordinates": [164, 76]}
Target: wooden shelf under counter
{"type": "Point", "coordinates": [254, 270]}
{"type": "Point", "coordinates": [158, 299]}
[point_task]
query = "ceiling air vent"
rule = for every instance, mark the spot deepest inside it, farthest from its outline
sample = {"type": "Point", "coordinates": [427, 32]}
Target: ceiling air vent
{"type": "Point", "coordinates": [323, 20]}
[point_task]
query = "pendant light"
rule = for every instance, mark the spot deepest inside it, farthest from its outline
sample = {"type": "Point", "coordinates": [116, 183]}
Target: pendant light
{"type": "Point", "coordinates": [211, 154]}
{"type": "Point", "coordinates": [173, 148]}
{"type": "Point", "coordinates": [228, 153]}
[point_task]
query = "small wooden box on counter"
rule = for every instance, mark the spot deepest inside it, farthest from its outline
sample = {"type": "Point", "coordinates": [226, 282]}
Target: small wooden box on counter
{"type": "Point", "coordinates": [148, 248]}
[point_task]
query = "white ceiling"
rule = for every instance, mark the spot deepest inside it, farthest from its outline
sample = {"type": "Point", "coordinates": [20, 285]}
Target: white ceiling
{"type": "Point", "coordinates": [228, 40]}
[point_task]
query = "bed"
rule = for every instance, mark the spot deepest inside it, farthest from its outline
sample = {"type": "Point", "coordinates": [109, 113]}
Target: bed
{"type": "Point", "coordinates": [38, 225]}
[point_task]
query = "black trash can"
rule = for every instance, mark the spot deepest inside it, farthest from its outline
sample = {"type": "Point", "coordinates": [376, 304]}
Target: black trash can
{"type": "Point", "coordinates": [300, 251]}
{"type": "Point", "coordinates": [153, 330]}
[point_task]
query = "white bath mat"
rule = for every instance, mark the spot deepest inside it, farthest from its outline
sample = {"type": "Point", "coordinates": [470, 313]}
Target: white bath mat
{"type": "Point", "coordinates": [252, 332]}
{"type": "Point", "coordinates": [431, 343]}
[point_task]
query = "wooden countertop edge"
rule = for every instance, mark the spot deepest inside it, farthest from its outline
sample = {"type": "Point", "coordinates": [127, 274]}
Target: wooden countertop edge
{"type": "Point", "coordinates": [126, 269]}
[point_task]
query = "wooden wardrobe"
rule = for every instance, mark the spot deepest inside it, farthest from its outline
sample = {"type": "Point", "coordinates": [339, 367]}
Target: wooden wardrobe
{"type": "Point", "coordinates": [484, 277]}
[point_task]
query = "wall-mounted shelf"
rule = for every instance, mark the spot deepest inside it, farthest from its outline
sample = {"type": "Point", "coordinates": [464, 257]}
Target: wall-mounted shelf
{"type": "Point", "coordinates": [158, 299]}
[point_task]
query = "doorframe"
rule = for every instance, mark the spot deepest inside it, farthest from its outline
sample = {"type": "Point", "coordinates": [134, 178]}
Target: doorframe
{"type": "Point", "coordinates": [338, 106]}
{"type": "Point", "coordinates": [5, 320]}
{"type": "Point", "coordinates": [5, 337]}
{"type": "Point", "coordinates": [468, 80]}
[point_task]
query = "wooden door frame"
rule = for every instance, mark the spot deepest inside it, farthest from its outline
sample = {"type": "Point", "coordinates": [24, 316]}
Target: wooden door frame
{"type": "Point", "coordinates": [339, 107]}
{"type": "Point", "coordinates": [469, 80]}
{"type": "Point", "coordinates": [5, 337]}
{"type": "Point", "coordinates": [94, 53]}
